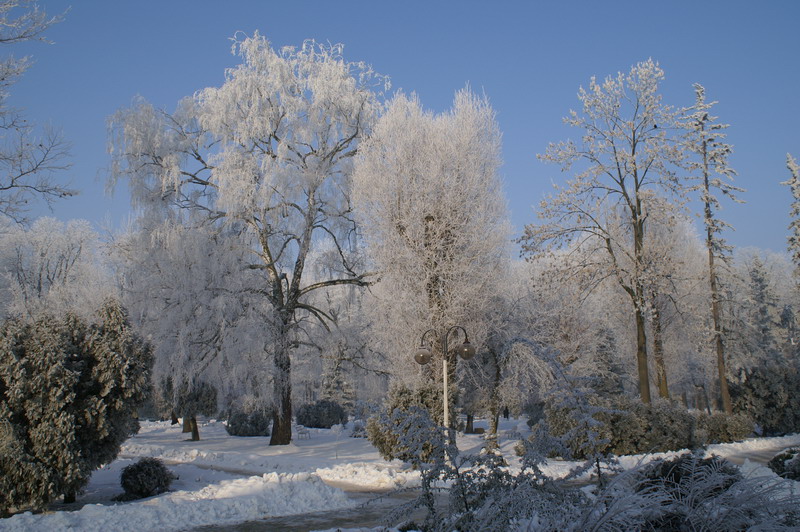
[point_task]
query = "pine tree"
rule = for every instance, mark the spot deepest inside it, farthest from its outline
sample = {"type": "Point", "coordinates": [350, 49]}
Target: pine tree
{"type": "Point", "coordinates": [794, 226]}
{"type": "Point", "coordinates": [704, 138]}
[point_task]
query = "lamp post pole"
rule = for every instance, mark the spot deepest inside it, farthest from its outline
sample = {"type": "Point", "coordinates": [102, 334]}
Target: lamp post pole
{"type": "Point", "coordinates": [423, 356]}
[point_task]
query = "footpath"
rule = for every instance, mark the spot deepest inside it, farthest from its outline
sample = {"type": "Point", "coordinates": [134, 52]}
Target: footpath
{"type": "Point", "coordinates": [372, 506]}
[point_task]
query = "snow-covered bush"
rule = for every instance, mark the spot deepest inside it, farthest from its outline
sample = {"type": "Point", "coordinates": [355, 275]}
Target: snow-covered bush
{"type": "Point", "coordinates": [408, 434]}
{"type": "Point", "coordinates": [404, 408]}
{"type": "Point", "coordinates": [359, 429]}
{"type": "Point", "coordinates": [68, 398]}
{"type": "Point", "coordinates": [709, 494]}
{"type": "Point", "coordinates": [626, 426]}
{"type": "Point", "coordinates": [632, 427]}
{"type": "Point", "coordinates": [321, 415]}
{"type": "Point", "coordinates": [686, 493]}
{"type": "Point", "coordinates": [787, 463]}
{"type": "Point", "coordinates": [768, 394]}
{"type": "Point", "coordinates": [720, 427]}
{"type": "Point", "coordinates": [534, 411]}
{"type": "Point", "coordinates": [145, 478]}
{"type": "Point", "coordinates": [255, 423]}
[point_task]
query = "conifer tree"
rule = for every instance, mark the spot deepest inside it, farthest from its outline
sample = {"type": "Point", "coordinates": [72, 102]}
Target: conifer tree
{"type": "Point", "coordinates": [710, 166]}
{"type": "Point", "coordinates": [68, 398]}
{"type": "Point", "coordinates": [762, 307]}
{"type": "Point", "coordinates": [794, 226]}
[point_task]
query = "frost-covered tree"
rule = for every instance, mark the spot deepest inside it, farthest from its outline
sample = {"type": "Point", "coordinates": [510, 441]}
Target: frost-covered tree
{"type": "Point", "coordinates": [710, 167]}
{"type": "Point", "coordinates": [68, 398]}
{"type": "Point", "coordinates": [626, 157]}
{"type": "Point", "coordinates": [29, 159]}
{"type": "Point", "coordinates": [794, 226]}
{"type": "Point", "coordinates": [187, 289]}
{"type": "Point", "coordinates": [269, 152]}
{"type": "Point", "coordinates": [427, 189]}
{"type": "Point", "coordinates": [763, 307]}
{"type": "Point", "coordinates": [52, 266]}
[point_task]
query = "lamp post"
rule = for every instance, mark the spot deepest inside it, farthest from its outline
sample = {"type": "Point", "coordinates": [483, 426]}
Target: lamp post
{"type": "Point", "coordinates": [423, 356]}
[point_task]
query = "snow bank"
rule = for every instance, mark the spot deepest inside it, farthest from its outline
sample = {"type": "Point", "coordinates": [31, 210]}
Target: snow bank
{"type": "Point", "coordinates": [230, 501]}
{"type": "Point", "coordinates": [754, 444]}
{"type": "Point", "coordinates": [369, 476]}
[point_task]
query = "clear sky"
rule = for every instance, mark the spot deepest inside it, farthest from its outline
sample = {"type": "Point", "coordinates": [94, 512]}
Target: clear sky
{"type": "Point", "coordinates": [529, 58]}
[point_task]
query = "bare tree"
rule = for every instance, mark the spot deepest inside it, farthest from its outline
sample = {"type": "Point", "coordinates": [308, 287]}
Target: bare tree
{"type": "Point", "coordinates": [52, 266]}
{"type": "Point", "coordinates": [29, 159]}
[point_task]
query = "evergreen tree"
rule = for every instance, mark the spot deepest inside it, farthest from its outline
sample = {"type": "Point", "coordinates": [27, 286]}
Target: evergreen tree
{"type": "Point", "coordinates": [335, 385]}
{"type": "Point", "coordinates": [68, 398]}
{"type": "Point", "coordinates": [704, 138]}
{"type": "Point", "coordinates": [794, 238]}
{"type": "Point", "coordinates": [762, 306]}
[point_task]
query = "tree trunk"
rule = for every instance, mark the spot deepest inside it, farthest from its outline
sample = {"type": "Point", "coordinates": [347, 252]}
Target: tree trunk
{"type": "Point", "coordinates": [703, 400]}
{"type": "Point", "coordinates": [470, 424]}
{"type": "Point", "coordinates": [282, 387]}
{"type": "Point", "coordinates": [194, 429]}
{"type": "Point", "coordinates": [494, 406]}
{"type": "Point", "coordinates": [725, 394]}
{"type": "Point", "coordinates": [658, 351]}
{"type": "Point", "coordinates": [173, 418]}
{"type": "Point", "coordinates": [69, 496]}
{"type": "Point", "coordinates": [641, 356]}
{"type": "Point", "coordinates": [187, 424]}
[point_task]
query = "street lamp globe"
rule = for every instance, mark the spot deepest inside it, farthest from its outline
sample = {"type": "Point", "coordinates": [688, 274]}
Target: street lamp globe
{"type": "Point", "coordinates": [422, 356]}
{"type": "Point", "coordinates": [466, 350]}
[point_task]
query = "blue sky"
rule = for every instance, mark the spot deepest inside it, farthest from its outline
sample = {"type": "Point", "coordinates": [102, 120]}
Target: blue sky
{"type": "Point", "coordinates": [528, 57]}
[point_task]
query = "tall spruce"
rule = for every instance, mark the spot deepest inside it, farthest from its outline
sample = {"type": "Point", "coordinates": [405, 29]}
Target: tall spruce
{"type": "Point", "coordinates": [794, 226]}
{"type": "Point", "coordinates": [704, 138]}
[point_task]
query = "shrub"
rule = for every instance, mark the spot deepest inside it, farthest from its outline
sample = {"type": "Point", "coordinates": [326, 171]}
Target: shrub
{"type": "Point", "coordinates": [408, 410]}
{"type": "Point", "coordinates": [723, 428]}
{"type": "Point", "coordinates": [768, 395]}
{"type": "Point", "coordinates": [359, 429]}
{"type": "Point", "coordinates": [703, 494]}
{"type": "Point", "coordinates": [145, 478]}
{"type": "Point", "coordinates": [627, 426]}
{"type": "Point", "coordinates": [786, 463]}
{"type": "Point", "coordinates": [321, 415]}
{"type": "Point", "coordinates": [408, 435]}
{"type": "Point", "coordinates": [68, 398]}
{"type": "Point", "coordinates": [256, 423]}
{"type": "Point", "coordinates": [534, 411]}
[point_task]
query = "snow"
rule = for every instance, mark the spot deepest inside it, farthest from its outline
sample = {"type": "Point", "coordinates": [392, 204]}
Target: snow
{"type": "Point", "coordinates": [225, 480]}
{"type": "Point", "coordinates": [225, 502]}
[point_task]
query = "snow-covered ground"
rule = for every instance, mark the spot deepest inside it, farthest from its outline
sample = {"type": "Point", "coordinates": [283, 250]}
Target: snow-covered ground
{"type": "Point", "coordinates": [225, 479]}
